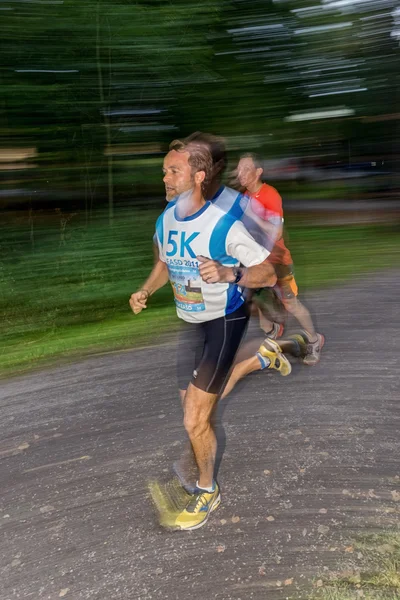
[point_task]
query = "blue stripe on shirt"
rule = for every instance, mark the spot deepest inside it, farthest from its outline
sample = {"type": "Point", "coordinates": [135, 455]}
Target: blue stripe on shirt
{"type": "Point", "coordinates": [234, 298]}
{"type": "Point", "coordinates": [217, 247]}
{"type": "Point", "coordinates": [238, 207]}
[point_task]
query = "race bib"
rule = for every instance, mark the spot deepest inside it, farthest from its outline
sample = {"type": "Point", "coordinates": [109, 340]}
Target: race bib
{"type": "Point", "coordinates": [185, 279]}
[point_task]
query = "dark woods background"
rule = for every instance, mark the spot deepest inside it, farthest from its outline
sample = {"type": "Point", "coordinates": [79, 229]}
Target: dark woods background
{"type": "Point", "coordinates": [92, 92]}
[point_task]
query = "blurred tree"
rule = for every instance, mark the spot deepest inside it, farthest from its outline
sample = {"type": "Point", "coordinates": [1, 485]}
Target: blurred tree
{"type": "Point", "coordinates": [81, 80]}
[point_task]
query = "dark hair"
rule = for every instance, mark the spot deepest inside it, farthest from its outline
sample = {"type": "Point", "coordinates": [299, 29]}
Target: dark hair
{"type": "Point", "coordinates": [215, 144]}
{"type": "Point", "coordinates": [255, 158]}
{"type": "Point", "coordinates": [199, 157]}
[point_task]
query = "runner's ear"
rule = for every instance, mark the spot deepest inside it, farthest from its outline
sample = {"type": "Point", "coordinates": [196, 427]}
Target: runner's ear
{"type": "Point", "coordinates": [199, 177]}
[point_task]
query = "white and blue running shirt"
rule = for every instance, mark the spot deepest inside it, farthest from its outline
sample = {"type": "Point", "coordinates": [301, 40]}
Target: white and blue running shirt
{"type": "Point", "coordinates": [230, 201]}
{"type": "Point", "coordinates": [239, 206]}
{"type": "Point", "coordinates": [216, 235]}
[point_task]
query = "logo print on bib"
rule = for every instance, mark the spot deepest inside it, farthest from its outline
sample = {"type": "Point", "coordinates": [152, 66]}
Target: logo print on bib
{"type": "Point", "coordinates": [184, 243]}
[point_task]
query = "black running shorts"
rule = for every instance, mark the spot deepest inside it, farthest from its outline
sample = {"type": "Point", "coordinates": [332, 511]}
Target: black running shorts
{"type": "Point", "coordinates": [206, 351]}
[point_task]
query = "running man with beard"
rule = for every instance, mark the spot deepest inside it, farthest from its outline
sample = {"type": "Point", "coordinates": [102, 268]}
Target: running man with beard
{"type": "Point", "coordinates": [270, 354]}
{"type": "Point", "coordinates": [200, 250]}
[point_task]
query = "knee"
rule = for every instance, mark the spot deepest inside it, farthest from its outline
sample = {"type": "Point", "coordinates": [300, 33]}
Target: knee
{"type": "Point", "coordinates": [195, 425]}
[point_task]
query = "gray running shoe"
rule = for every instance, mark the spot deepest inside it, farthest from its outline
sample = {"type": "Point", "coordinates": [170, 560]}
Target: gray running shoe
{"type": "Point", "coordinates": [314, 351]}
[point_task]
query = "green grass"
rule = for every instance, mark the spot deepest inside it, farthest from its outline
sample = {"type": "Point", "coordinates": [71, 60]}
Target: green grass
{"type": "Point", "coordinates": [375, 576]}
{"type": "Point", "coordinates": [65, 285]}
{"type": "Point", "coordinates": [65, 288]}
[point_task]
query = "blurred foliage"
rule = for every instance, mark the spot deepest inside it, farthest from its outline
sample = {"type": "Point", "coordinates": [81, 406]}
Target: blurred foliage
{"type": "Point", "coordinates": [65, 286]}
{"type": "Point", "coordinates": [97, 86]}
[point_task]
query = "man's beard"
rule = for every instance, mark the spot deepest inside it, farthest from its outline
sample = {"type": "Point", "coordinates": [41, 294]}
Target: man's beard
{"type": "Point", "coordinates": [184, 201]}
{"type": "Point", "coordinates": [170, 197]}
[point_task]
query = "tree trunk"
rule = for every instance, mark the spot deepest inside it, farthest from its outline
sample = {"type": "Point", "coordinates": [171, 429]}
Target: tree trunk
{"type": "Point", "coordinates": [106, 121]}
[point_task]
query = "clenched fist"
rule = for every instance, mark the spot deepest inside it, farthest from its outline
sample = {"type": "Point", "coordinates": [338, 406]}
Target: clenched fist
{"type": "Point", "coordinates": [138, 301]}
{"type": "Point", "coordinates": [211, 271]}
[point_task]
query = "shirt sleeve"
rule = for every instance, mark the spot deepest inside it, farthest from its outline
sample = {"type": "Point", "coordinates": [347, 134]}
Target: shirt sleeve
{"type": "Point", "coordinates": [242, 246]}
{"type": "Point", "coordinates": [271, 212]}
{"type": "Point", "coordinates": [271, 200]}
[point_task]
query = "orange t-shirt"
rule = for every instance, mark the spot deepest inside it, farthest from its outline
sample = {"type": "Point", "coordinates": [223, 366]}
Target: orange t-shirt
{"type": "Point", "coordinates": [267, 203]}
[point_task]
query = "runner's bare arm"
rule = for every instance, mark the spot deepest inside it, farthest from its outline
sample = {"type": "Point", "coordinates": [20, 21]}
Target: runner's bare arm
{"type": "Point", "coordinates": [272, 228]}
{"type": "Point", "coordinates": [257, 276]}
{"type": "Point", "coordinates": [156, 252]}
{"type": "Point", "coordinates": [262, 275]}
{"type": "Point", "coordinates": [157, 279]}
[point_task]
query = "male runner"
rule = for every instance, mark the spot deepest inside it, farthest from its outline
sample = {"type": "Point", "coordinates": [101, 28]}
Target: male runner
{"type": "Point", "coordinates": [267, 215]}
{"type": "Point", "coordinates": [296, 345]}
{"type": "Point", "coordinates": [201, 249]}
{"type": "Point", "coordinates": [269, 355]}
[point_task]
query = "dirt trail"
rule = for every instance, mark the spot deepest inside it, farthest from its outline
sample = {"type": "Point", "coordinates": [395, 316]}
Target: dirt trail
{"type": "Point", "coordinates": [309, 459]}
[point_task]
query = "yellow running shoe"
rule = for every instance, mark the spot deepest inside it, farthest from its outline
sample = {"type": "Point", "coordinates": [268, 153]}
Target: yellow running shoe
{"type": "Point", "coordinates": [169, 499]}
{"type": "Point", "coordinates": [197, 511]}
{"type": "Point", "coordinates": [271, 350]}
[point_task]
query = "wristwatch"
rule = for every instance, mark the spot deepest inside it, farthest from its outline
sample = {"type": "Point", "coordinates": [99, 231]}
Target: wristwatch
{"type": "Point", "coordinates": [238, 273]}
